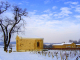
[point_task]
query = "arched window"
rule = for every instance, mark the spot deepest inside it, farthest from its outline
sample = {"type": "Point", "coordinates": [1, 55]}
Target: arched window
{"type": "Point", "coordinates": [37, 44]}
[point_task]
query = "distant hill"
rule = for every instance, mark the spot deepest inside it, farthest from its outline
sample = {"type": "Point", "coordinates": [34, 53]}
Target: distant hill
{"type": "Point", "coordinates": [2, 43]}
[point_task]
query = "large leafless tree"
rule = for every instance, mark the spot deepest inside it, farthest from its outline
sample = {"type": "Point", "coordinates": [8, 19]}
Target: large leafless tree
{"type": "Point", "coordinates": [9, 26]}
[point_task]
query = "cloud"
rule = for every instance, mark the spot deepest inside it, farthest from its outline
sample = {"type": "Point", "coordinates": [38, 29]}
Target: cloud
{"type": "Point", "coordinates": [43, 16]}
{"type": "Point", "coordinates": [50, 29]}
{"type": "Point", "coordinates": [77, 16]}
{"type": "Point", "coordinates": [76, 6]}
{"type": "Point", "coordinates": [77, 9]}
{"type": "Point", "coordinates": [20, 3]}
{"type": "Point", "coordinates": [32, 13]}
{"type": "Point", "coordinates": [74, 3]}
{"type": "Point", "coordinates": [25, 2]}
{"type": "Point", "coordinates": [47, 21]}
{"type": "Point", "coordinates": [47, 11]}
{"type": "Point", "coordinates": [46, 1]}
{"type": "Point", "coordinates": [2, 0]}
{"type": "Point", "coordinates": [65, 11]}
{"type": "Point", "coordinates": [56, 35]}
{"type": "Point", "coordinates": [53, 23]}
{"type": "Point", "coordinates": [54, 7]}
{"type": "Point", "coordinates": [8, 14]}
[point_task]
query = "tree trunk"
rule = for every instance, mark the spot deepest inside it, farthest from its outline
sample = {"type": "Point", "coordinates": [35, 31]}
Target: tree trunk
{"type": "Point", "coordinates": [5, 47]}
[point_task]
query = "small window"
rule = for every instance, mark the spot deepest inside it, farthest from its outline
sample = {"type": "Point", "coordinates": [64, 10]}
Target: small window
{"type": "Point", "coordinates": [37, 44]}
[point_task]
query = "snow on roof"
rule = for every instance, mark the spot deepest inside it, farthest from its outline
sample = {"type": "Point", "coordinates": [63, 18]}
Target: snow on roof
{"type": "Point", "coordinates": [58, 44]}
{"type": "Point", "coordinates": [29, 36]}
{"type": "Point", "coordinates": [62, 43]}
{"type": "Point", "coordinates": [77, 44]}
{"type": "Point", "coordinates": [67, 43]}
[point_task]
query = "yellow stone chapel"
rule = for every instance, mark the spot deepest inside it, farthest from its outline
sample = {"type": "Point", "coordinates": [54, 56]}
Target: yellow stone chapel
{"type": "Point", "coordinates": [29, 44]}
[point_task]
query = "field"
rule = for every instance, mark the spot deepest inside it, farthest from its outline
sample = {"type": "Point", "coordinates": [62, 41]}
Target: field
{"type": "Point", "coordinates": [42, 55]}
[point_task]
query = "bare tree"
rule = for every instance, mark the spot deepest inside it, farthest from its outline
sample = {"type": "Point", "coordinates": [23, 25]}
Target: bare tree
{"type": "Point", "coordinates": [10, 26]}
{"type": "Point", "coordinates": [70, 40]}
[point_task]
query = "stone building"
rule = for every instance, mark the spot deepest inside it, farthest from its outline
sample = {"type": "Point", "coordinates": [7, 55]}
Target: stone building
{"type": "Point", "coordinates": [66, 45]}
{"type": "Point", "coordinates": [29, 44]}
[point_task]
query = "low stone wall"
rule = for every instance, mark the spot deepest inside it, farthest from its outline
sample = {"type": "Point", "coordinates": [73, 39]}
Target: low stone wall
{"type": "Point", "coordinates": [63, 48]}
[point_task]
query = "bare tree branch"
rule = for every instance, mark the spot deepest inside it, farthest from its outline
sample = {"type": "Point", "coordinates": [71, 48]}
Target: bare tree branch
{"type": "Point", "coordinates": [8, 25]}
{"type": "Point", "coordinates": [4, 6]}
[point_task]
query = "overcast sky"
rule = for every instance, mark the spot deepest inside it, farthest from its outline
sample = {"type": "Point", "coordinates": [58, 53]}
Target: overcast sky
{"type": "Point", "coordinates": [54, 20]}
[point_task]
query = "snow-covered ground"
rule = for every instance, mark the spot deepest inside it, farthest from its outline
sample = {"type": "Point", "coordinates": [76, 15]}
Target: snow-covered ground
{"type": "Point", "coordinates": [47, 55]}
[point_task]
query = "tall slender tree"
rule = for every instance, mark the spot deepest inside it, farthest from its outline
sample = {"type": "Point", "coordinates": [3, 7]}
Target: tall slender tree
{"type": "Point", "coordinates": [9, 26]}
